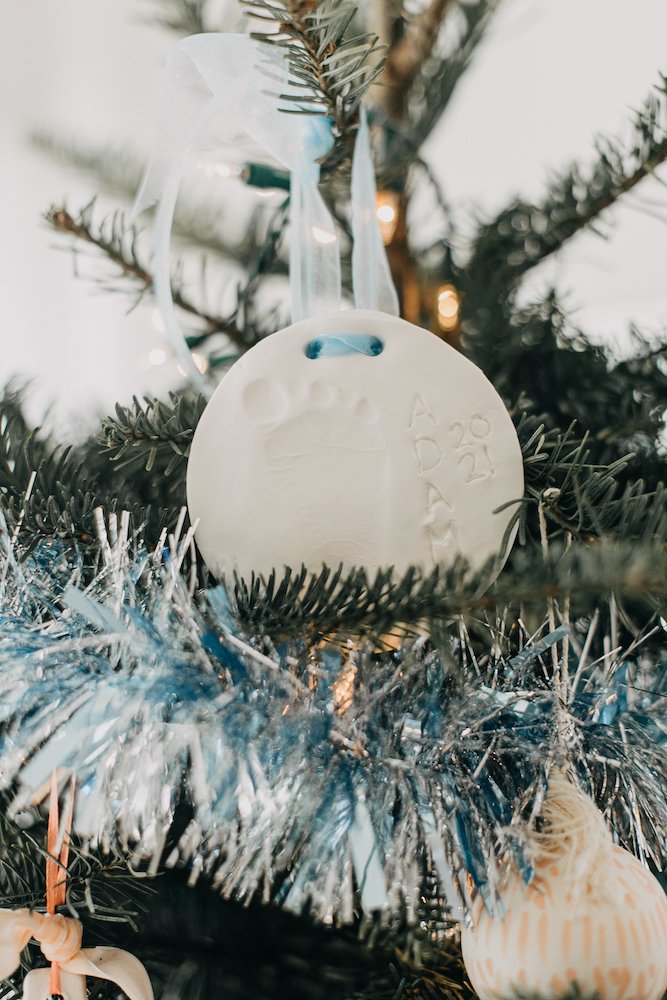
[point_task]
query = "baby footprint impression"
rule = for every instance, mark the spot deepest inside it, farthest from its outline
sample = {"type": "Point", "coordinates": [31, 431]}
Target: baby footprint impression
{"type": "Point", "coordinates": [324, 436]}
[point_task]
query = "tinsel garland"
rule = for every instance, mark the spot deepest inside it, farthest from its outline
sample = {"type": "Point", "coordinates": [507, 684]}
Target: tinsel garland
{"type": "Point", "coordinates": [331, 779]}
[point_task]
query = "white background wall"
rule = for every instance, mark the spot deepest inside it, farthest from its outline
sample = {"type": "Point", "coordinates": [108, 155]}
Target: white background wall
{"type": "Point", "coordinates": [550, 75]}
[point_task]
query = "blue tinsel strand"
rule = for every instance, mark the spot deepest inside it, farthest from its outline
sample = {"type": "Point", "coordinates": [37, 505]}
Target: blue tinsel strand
{"type": "Point", "coordinates": [316, 777]}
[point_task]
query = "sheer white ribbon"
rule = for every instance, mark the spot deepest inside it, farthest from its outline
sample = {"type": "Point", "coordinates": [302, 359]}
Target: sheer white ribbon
{"type": "Point", "coordinates": [233, 83]}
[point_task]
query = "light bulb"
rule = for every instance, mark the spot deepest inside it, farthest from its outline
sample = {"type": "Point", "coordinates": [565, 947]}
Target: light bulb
{"type": "Point", "coordinates": [386, 211]}
{"type": "Point", "coordinates": [201, 362]}
{"type": "Point", "coordinates": [448, 307]}
{"type": "Point", "coordinates": [222, 170]}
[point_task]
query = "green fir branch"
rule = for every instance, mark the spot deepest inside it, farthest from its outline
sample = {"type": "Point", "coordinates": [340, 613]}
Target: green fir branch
{"type": "Point", "coordinates": [22, 449]}
{"type": "Point", "coordinates": [330, 69]}
{"type": "Point", "coordinates": [525, 234]}
{"type": "Point", "coordinates": [413, 40]}
{"type": "Point", "coordinates": [116, 169]}
{"type": "Point", "coordinates": [196, 222]}
{"type": "Point", "coordinates": [438, 77]}
{"type": "Point", "coordinates": [52, 491]}
{"type": "Point", "coordinates": [185, 17]}
{"type": "Point", "coordinates": [561, 377]}
{"type": "Point", "coordinates": [155, 437]}
{"type": "Point", "coordinates": [22, 874]}
{"type": "Point", "coordinates": [118, 242]}
{"type": "Point", "coordinates": [61, 503]}
{"type": "Point", "coordinates": [334, 602]}
{"type": "Point", "coordinates": [138, 463]}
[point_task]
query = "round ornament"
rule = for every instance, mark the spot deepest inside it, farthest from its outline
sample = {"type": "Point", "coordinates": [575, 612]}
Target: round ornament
{"type": "Point", "coordinates": [355, 438]}
{"type": "Point", "coordinates": [592, 919]}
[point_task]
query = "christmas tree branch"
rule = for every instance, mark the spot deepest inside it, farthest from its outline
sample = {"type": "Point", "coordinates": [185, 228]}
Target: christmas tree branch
{"type": "Point", "coordinates": [118, 243]}
{"type": "Point", "coordinates": [49, 495]}
{"type": "Point", "coordinates": [355, 603]}
{"type": "Point", "coordinates": [406, 58]}
{"type": "Point", "coordinates": [523, 234]}
{"type": "Point", "coordinates": [149, 443]}
{"type": "Point", "coordinates": [330, 70]}
{"type": "Point", "coordinates": [435, 83]}
{"type": "Point", "coordinates": [538, 353]}
{"type": "Point", "coordinates": [52, 491]}
{"type": "Point", "coordinates": [153, 435]}
{"type": "Point", "coordinates": [119, 173]}
{"type": "Point", "coordinates": [584, 500]}
{"type": "Point", "coordinates": [185, 17]}
{"type": "Point", "coordinates": [21, 447]}
{"type": "Point", "coordinates": [62, 505]}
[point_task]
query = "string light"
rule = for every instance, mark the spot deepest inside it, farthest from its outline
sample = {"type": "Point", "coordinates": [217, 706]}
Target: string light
{"type": "Point", "coordinates": [158, 356]}
{"type": "Point", "coordinates": [200, 362]}
{"type": "Point", "coordinates": [223, 170]}
{"type": "Point", "coordinates": [386, 211]}
{"type": "Point", "coordinates": [265, 180]}
{"type": "Point", "coordinates": [448, 306]}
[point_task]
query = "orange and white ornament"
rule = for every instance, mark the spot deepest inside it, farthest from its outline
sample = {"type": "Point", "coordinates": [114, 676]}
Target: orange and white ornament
{"type": "Point", "coordinates": [592, 917]}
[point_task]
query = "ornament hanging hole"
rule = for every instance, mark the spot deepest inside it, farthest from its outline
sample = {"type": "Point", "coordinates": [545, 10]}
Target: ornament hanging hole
{"type": "Point", "coordinates": [337, 345]}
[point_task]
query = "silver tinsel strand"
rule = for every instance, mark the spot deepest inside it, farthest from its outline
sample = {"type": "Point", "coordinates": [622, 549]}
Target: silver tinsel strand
{"type": "Point", "coordinates": [328, 779]}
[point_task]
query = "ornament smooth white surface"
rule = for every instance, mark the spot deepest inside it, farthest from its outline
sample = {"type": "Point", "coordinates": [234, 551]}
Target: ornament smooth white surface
{"type": "Point", "coordinates": [609, 937]}
{"type": "Point", "coordinates": [394, 460]}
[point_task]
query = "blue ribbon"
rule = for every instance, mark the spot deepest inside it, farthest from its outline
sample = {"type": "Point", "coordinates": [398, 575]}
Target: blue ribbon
{"type": "Point", "coordinates": [344, 343]}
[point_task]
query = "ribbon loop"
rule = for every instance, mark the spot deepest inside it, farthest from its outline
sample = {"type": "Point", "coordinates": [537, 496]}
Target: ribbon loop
{"type": "Point", "coordinates": [230, 85]}
{"type": "Point", "coordinates": [373, 285]}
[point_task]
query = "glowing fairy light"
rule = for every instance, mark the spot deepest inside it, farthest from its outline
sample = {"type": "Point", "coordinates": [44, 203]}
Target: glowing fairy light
{"type": "Point", "coordinates": [448, 307]}
{"type": "Point", "coordinates": [200, 362]}
{"type": "Point", "coordinates": [386, 211]}
{"type": "Point", "coordinates": [221, 170]}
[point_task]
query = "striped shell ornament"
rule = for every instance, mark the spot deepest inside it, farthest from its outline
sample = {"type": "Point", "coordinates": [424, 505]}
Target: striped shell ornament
{"type": "Point", "coordinates": [593, 918]}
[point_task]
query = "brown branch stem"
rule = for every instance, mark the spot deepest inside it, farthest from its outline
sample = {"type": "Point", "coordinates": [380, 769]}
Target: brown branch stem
{"type": "Point", "coordinates": [407, 57]}
{"type": "Point", "coordinates": [300, 11]}
{"type": "Point", "coordinates": [606, 201]}
{"type": "Point", "coordinates": [63, 222]}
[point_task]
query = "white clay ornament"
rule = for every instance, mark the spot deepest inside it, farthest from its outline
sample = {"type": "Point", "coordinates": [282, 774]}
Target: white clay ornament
{"type": "Point", "coordinates": [397, 458]}
{"type": "Point", "coordinates": [592, 917]}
